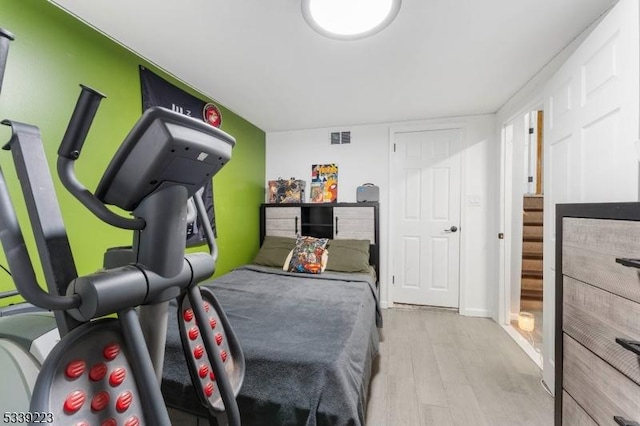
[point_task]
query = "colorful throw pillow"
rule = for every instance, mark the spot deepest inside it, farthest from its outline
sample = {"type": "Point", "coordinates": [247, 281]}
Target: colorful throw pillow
{"type": "Point", "coordinates": [325, 259]}
{"type": "Point", "coordinates": [307, 255]}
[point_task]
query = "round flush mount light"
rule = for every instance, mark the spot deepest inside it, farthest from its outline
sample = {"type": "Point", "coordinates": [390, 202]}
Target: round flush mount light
{"type": "Point", "coordinates": [349, 19]}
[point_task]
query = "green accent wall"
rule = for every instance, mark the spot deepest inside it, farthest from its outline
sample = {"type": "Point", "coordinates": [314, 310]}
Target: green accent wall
{"type": "Point", "coordinates": [52, 54]}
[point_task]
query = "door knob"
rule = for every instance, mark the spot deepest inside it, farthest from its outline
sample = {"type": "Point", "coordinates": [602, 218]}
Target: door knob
{"type": "Point", "coordinates": [452, 229]}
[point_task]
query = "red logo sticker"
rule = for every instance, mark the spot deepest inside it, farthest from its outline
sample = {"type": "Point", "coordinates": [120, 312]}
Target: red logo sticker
{"type": "Point", "coordinates": [212, 115]}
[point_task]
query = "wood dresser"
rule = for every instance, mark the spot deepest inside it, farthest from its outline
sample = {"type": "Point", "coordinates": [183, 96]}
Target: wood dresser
{"type": "Point", "coordinates": [597, 314]}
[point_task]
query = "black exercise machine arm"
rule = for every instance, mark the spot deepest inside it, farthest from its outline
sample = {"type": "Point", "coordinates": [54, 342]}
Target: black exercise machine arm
{"type": "Point", "coordinates": [204, 221]}
{"type": "Point", "coordinates": [80, 122]}
{"type": "Point", "coordinates": [19, 261]}
{"type": "Point", "coordinates": [5, 38]}
{"type": "Point", "coordinates": [69, 152]}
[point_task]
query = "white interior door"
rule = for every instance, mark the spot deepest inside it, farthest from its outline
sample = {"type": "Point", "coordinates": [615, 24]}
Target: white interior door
{"type": "Point", "coordinates": [426, 204]}
{"type": "Point", "coordinates": [504, 244]}
{"type": "Point", "coordinates": [590, 136]}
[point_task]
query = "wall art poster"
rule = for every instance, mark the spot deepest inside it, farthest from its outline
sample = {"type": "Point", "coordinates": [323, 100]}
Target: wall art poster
{"type": "Point", "coordinates": [324, 183]}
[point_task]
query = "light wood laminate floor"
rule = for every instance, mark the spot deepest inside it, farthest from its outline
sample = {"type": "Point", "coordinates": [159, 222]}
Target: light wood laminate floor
{"type": "Point", "coordinates": [439, 368]}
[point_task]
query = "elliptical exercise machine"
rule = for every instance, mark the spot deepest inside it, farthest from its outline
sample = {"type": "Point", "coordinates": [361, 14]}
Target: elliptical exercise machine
{"type": "Point", "coordinates": [107, 371]}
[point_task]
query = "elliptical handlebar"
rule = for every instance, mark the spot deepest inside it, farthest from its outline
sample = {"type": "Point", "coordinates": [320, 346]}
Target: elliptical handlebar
{"type": "Point", "coordinates": [19, 261]}
{"type": "Point", "coordinates": [5, 38]}
{"type": "Point", "coordinates": [69, 151]}
{"type": "Point", "coordinates": [80, 122]}
{"type": "Point", "coordinates": [202, 215]}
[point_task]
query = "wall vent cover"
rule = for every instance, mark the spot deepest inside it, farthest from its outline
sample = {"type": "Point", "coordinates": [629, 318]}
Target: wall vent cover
{"type": "Point", "coordinates": [339, 138]}
{"type": "Point", "coordinates": [335, 138]}
{"type": "Point", "coordinates": [345, 137]}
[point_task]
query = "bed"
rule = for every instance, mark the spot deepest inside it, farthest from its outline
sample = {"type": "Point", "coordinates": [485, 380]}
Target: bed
{"type": "Point", "coordinates": [309, 341]}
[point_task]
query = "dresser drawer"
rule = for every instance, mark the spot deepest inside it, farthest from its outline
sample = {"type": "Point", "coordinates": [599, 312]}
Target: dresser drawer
{"type": "Point", "coordinates": [357, 223]}
{"type": "Point", "coordinates": [589, 251]}
{"type": "Point", "coordinates": [573, 414]}
{"type": "Point", "coordinates": [281, 212]}
{"type": "Point", "coordinates": [282, 221]}
{"type": "Point", "coordinates": [601, 390]}
{"type": "Point", "coordinates": [595, 318]}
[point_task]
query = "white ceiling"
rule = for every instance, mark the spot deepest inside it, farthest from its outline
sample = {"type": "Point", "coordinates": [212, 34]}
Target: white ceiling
{"type": "Point", "coordinates": [259, 58]}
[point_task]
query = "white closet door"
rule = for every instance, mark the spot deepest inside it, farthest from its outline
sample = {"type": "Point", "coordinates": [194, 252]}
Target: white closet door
{"type": "Point", "coordinates": [591, 108]}
{"type": "Point", "coordinates": [426, 202]}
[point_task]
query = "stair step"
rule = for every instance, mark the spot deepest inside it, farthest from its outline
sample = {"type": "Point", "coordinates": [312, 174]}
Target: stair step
{"type": "Point", "coordinates": [531, 256]}
{"type": "Point", "coordinates": [532, 265]}
{"type": "Point", "coordinates": [531, 294]}
{"type": "Point", "coordinates": [531, 273]}
{"type": "Point", "coordinates": [533, 203]}
{"type": "Point", "coordinates": [532, 248]}
{"type": "Point", "coordinates": [532, 233]}
{"type": "Point", "coordinates": [531, 288]}
{"type": "Point", "coordinates": [535, 217]}
{"type": "Point", "coordinates": [531, 283]}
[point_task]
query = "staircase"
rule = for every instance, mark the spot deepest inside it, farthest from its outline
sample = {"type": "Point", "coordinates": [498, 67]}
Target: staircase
{"type": "Point", "coordinates": [531, 283]}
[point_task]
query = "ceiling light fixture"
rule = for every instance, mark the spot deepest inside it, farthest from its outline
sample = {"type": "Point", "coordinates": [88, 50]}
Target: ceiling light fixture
{"type": "Point", "coordinates": [349, 19]}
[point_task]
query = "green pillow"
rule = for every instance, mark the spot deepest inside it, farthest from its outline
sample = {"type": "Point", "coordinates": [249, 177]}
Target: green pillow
{"type": "Point", "coordinates": [274, 251]}
{"type": "Point", "coordinates": [348, 255]}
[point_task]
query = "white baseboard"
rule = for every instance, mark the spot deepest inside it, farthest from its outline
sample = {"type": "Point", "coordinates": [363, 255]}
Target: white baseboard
{"type": "Point", "coordinates": [524, 344]}
{"type": "Point", "coordinates": [482, 313]}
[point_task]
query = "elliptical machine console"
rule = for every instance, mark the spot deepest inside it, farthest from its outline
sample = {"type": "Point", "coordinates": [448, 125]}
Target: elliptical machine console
{"type": "Point", "coordinates": [107, 369]}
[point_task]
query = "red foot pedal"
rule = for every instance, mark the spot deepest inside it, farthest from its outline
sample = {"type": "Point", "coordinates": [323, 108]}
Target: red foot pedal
{"type": "Point", "coordinates": [124, 401]}
{"type": "Point", "coordinates": [75, 369]}
{"type": "Point", "coordinates": [98, 371]}
{"type": "Point", "coordinates": [74, 401]}
{"type": "Point", "coordinates": [111, 351]}
{"type": "Point", "coordinates": [224, 344]}
{"type": "Point", "coordinates": [117, 376]}
{"type": "Point", "coordinates": [100, 401]}
{"type": "Point", "coordinates": [86, 381]}
{"type": "Point", "coordinates": [204, 371]}
{"type": "Point", "coordinates": [198, 351]}
{"type": "Point", "coordinates": [132, 421]}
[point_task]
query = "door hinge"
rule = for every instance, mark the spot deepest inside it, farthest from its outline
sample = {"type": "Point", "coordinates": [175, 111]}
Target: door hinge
{"type": "Point", "coordinates": [501, 235]}
{"type": "Point", "coordinates": [393, 279]}
{"type": "Point", "coordinates": [531, 130]}
{"type": "Point", "coordinates": [394, 147]}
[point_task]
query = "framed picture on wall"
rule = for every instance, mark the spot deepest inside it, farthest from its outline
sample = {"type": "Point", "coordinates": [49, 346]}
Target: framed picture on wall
{"type": "Point", "coordinates": [324, 183]}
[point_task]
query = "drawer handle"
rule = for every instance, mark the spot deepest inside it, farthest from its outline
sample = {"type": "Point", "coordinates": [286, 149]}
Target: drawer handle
{"type": "Point", "coordinates": [336, 225]}
{"type": "Point", "coordinates": [296, 225]}
{"type": "Point", "coordinates": [624, 422]}
{"type": "Point", "coordinates": [631, 263]}
{"type": "Point", "coordinates": [630, 345]}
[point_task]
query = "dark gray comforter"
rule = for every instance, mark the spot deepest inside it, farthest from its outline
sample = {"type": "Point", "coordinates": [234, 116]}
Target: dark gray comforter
{"type": "Point", "coordinates": [309, 342]}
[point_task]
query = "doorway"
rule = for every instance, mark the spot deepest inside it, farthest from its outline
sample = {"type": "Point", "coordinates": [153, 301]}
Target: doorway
{"type": "Point", "coordinates": [522, 220]}
{"type": "Point", "coordinates": [529, 315]}
{"type": "Point", "coordinates": [426, 204]}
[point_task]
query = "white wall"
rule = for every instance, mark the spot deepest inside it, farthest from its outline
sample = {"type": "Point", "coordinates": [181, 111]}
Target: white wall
{"type": "Point", "coordinates": [366, 159]}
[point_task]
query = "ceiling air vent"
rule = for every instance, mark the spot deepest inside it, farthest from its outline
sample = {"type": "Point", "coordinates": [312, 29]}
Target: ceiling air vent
{"type": "Point", "coordinates": [339, 138]}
